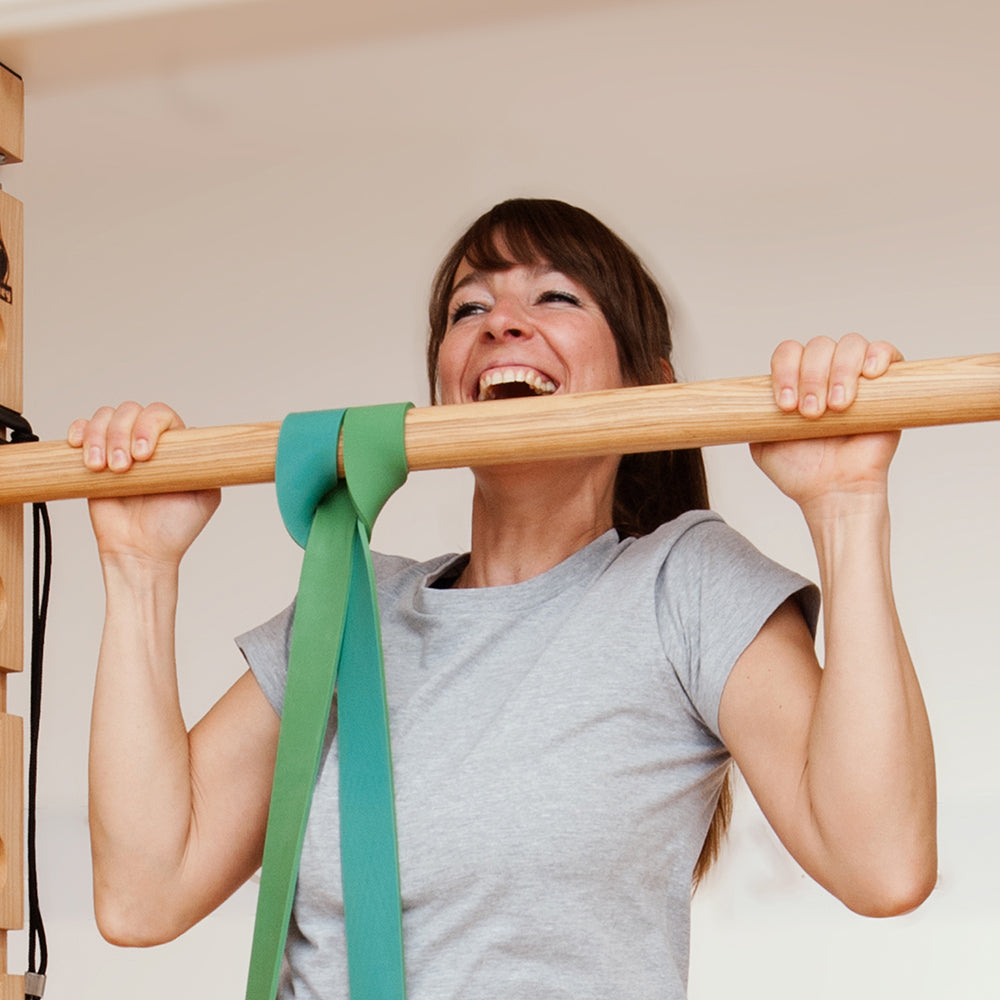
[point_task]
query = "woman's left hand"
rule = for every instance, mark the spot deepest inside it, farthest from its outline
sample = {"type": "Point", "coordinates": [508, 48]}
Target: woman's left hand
{"type": "Point", "coordinates": [813, 378]}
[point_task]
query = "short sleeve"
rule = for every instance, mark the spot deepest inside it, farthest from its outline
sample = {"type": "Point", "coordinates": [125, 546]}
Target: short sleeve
{"type": "Point", "coordinates": [715, 592]}
{"type": "Point", "coordinates": [265, 649]}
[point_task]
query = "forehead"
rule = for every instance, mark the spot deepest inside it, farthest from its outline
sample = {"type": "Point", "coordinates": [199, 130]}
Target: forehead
{"type": "Point", "coordinates": [467, 274]}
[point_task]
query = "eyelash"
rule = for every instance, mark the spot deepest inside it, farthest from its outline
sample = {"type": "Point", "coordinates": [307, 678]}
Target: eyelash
{"type": "Point", "coordinates": [464, 309]}
{"type": "Point", "coordinates": [569, 297]}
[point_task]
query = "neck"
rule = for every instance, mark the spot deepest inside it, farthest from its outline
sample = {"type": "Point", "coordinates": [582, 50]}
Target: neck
{"type": "Point", "coordinates": [527, 519]}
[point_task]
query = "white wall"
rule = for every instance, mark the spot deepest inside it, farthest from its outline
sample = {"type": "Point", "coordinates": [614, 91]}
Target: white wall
{"type": "Point", "coordinates": [249, 239]}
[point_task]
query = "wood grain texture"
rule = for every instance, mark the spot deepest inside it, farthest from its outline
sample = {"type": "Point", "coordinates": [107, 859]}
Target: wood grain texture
{"type": "Point", "coordinates": [11, 396]}
{"type": "Point", "coordinates": [11, 116]}
{"type": "Point", "coordinates": [619, 421]}
{"type": "Point", "coordinates": [11, 987]}
{"type": "Point", "coordinates": [11, 541]}
{"type": "Point", "coordinates": [11, 303]}
{"type": "Point", "coordinates": [11, 822]}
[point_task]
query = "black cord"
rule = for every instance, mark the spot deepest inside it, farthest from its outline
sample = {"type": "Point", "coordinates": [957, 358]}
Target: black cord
{"type": "Point", "coordinates": [41, 580]}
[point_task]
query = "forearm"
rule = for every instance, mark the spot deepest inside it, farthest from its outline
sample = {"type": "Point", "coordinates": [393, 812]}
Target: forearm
{"type": "Point", "coordinates": [140, 775]}
{"type": "Point", "coordinates": [869, 776]}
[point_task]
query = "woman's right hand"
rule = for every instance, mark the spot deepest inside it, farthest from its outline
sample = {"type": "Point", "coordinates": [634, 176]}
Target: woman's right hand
{"type": "Point", "coordinates": [153, 528]}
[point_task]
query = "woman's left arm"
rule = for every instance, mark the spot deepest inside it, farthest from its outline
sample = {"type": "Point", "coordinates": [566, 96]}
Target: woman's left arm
{"type": "Point", "coordinates": [839, 759]}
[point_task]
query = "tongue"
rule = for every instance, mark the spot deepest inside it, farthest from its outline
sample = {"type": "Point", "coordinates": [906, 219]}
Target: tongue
{"type": "Point", "coordinates": [510, 390]}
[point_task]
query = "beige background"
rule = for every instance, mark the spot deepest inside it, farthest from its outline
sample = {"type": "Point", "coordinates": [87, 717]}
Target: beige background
{"type": "Point", "coordinates": [237, 207]}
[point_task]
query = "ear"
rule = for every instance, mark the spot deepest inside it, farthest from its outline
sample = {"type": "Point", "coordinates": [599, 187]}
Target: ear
{"type": "Point", "coordinates": [668, 371]}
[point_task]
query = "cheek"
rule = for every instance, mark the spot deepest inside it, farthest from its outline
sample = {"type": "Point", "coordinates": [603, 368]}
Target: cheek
{"type": "Point", "coordinates": [449, 370]}
{"type": "Point", "coordinates": [602, 360]}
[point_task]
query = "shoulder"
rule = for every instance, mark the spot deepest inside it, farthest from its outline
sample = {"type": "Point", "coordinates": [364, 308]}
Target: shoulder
{"type": "Point", "coordinates": [693, 540]}
{"type": "Point", "coordinates": [700, 546]}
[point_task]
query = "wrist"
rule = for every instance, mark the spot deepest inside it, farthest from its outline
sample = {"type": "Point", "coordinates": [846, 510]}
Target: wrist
{"type": "Point", "coordinates": [134, 571]}
{"type": "Point", "coordinates": [840, 509]}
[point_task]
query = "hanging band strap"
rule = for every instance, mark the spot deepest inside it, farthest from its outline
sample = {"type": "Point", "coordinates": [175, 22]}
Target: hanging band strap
{"type": "Point", "coordinates": [336, 643]}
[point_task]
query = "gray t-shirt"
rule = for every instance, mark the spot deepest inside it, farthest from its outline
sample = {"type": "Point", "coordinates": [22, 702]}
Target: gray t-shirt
{"type": "Point", "coordinates": [557, 761]}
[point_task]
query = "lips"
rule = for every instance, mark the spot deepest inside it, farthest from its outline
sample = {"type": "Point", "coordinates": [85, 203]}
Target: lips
{"type": "Point", "coordinates": [511, 381]}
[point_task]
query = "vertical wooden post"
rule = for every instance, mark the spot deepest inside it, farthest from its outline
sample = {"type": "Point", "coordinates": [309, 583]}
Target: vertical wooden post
{"type": "Point", "coordinates": [11, 542]}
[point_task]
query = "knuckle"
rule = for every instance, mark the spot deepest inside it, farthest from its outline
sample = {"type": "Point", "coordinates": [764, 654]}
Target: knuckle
{"type": "Point", "coordinates": [821, 343]}
{"type": "Point", "coordinates": [883, 347]}
{"type": "Point", "coordinates": [158, 417]}
{"type": "Point", "coordinates": [785, 360]}
{"type": "Point", "coordinates": [787, 350]}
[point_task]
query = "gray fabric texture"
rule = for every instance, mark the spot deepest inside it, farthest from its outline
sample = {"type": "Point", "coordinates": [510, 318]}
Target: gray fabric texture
{"type": "Point", "coordinates": [557, 761]}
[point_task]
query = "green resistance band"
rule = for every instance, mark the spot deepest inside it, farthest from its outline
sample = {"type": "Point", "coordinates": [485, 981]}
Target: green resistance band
{"type": "Point", "coordinates": [336, 645]}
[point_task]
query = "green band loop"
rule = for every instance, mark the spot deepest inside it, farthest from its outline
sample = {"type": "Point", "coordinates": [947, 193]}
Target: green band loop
{"type": "Point", "coordinates": [374, 456]}
{"type": "Point", "coordinates": [336, 642]}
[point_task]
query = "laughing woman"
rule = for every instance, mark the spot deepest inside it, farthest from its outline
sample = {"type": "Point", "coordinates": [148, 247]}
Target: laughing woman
{"type": "Point", "coordinates": [567, 697]}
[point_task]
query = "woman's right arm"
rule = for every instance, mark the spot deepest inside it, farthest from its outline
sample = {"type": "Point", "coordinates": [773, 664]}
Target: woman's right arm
{"type": "Point", "coordinates": [177, 818]}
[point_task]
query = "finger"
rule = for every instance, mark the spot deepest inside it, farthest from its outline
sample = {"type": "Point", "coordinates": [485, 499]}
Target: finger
{"type": "Point", "coordinates": [814, 376]}
{"type": "Point", "coordinates": [150, 423]}
{"type": "Point", "coordinates": [74, 435]}
{"type": "Point", "coordinates": [879, 356]}
{"type": "Point", "coordinates": [785, 362]}
{"type": "Point", "coordinates": [95, 438]}
{"type": "Point", "coordinates": [845, 369]}
{"type": "Point", "coordinates": [119, 436]}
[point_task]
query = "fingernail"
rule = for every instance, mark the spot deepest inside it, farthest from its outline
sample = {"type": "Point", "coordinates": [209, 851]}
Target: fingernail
{"type": "Point", "coordinates": [871, 365]}
{"type": "Point", "coordinates": [95, 458]}
{"type": "Point", "coordinates": [837, 394]}
{"type": "Point", "coordinates": [810, 404]}
{"type": "Point", "coordinates": [141, 448]}
{"type": "Point", "coordinates": [787, 398]}
{"type": "Point", "coordinates": [118, 459]}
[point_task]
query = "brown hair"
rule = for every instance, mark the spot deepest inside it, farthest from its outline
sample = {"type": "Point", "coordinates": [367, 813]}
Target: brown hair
{"type": "Point", "coordinates": [650, 489]}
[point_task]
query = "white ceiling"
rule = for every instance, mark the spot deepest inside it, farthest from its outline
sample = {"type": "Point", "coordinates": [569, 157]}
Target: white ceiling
{"type": "Point", "coordinates": [60, 44]}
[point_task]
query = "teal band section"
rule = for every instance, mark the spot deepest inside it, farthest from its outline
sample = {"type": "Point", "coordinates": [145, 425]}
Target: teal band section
{"type": "Point", "coordinates": [368, 847]}
{"type": "Point", "coordinates": [368, 843]}
{"type": "Point", "coordinates": [305, 468]}
{"type": "Point", "coordinates": [336, 644]}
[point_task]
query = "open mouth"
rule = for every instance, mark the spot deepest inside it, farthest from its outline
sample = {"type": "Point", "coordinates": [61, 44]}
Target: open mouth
{"type": "Point", "coordinates": [510, 383]}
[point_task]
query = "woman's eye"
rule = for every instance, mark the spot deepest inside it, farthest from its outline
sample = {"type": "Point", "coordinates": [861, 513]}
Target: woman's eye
{"type": "Point", "coordinates": [464, 309]}
{"type": "Point", "coordinates": [556, 296]}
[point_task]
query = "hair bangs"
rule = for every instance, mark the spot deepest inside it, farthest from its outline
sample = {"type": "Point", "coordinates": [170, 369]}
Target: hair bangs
{"type": "Point", "coordinates": [504, 245]}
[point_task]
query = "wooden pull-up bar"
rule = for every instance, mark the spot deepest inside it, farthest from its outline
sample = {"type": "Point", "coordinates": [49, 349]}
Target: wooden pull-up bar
{"type": "Point", "coordinates": [619, 421]}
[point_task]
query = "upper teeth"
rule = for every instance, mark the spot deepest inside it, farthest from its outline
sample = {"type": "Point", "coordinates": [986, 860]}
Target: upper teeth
{"type": "Point", "coordinates": [529, 376]}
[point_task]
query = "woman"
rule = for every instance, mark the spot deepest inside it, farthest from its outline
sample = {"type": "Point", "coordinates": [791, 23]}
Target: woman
{"type": "Point", "coordinates": [565, 699]}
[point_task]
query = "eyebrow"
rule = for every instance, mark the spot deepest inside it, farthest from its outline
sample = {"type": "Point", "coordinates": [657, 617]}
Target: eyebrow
{"type": "Point", "coordinates": [537, 271]}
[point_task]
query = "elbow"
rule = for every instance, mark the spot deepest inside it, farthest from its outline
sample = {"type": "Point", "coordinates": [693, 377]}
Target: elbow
{"type": "Point", "coordinates": [133, 924]}
{"type": "Point", "coordinates": [904, 899]}
{"type": "Point", "coordinates": [894, 896]}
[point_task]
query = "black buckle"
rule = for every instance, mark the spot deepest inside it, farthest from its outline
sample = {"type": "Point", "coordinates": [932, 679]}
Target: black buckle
{"type": "Point", "coordinates": [20, 429]}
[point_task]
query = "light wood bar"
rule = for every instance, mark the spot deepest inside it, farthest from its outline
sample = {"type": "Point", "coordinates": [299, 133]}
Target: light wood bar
{"type": "Point", "coordinates": [645, 418]}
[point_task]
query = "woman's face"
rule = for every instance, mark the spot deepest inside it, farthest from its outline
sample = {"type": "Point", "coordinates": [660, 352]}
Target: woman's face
{"type": "Point", "coordinates": [527, 330]}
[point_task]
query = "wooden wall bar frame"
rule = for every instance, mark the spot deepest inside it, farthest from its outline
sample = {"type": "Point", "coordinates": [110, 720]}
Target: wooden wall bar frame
{"type": "Point", "coordinates": [11, 116]}
{"type": "Point", "coordinates": [11, 541]}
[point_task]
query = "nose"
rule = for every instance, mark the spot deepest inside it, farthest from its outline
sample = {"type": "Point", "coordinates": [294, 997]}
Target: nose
{"type": "Point", "coordinates": [507, 320]}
